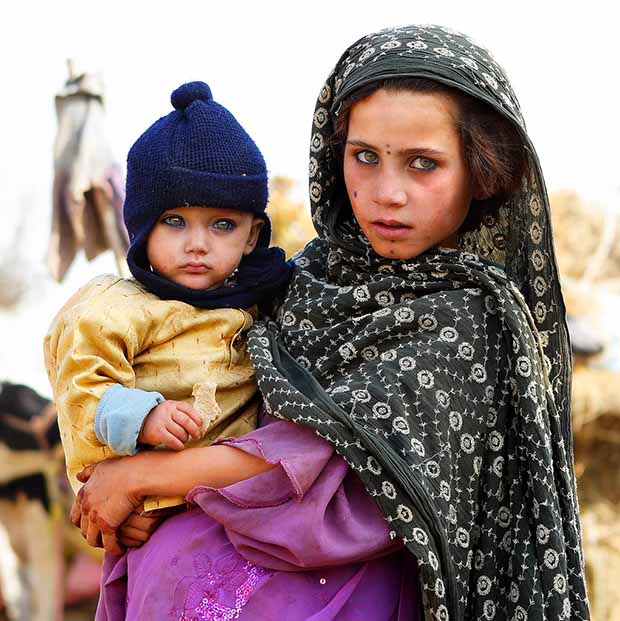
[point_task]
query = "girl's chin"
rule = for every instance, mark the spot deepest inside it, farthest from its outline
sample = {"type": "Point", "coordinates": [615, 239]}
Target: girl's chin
{"type": "Point", "coordinates": [398, 252]}
{"type": "Point", "coordinates": [410, 251]}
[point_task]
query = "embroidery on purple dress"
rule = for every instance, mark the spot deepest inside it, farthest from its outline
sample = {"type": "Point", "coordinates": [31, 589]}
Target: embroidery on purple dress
{"type": "Point", "coordinates": [219, 589]}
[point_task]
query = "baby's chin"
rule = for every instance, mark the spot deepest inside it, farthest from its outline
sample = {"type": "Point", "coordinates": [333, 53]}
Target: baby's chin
{"type": "Point", "coordinates": [196, 285]}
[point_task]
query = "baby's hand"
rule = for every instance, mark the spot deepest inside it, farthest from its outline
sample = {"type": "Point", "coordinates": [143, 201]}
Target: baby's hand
{"type": "Point", "coordinates": [171, 423]}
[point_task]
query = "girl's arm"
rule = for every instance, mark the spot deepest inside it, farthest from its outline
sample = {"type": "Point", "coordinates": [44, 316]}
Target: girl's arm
{"type": "Point", "coordinates": [115, 487]}
{"type": "Point", "coordinates": [291, 504]}
{"type": "Point", "coordinates": [311, 511]}
{"type": "Point", "coordinates": [169, 473]}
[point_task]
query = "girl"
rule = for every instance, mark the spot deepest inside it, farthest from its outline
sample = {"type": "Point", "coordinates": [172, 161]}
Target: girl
{"type": "Point", "coordinates": [423, 337]}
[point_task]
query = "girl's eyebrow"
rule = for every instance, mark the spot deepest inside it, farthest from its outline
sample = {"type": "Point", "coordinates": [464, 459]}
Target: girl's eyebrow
{"type": "Point", "coordinates": [426, 151]}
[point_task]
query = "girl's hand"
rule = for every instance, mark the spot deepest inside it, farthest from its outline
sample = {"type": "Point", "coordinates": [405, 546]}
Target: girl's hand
{"type": "Point", "coordinates": [104, 503]}
{"type": "Point", "coordinates": [171, 423]}
{"type": "Point", "coordinates": [137, 529]}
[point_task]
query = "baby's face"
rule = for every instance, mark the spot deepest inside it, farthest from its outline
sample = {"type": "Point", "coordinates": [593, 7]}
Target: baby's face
{"type": "Point", "coordinates": [199, 247]}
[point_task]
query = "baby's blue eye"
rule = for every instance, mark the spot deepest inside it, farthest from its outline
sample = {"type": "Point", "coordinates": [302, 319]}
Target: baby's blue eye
{"type": "Point", "coordinates": [173, 221]}
{"type": "Point", "coordinates": [423, 163]}
{"type": "Point", "coordinates": [224, 225]}
{"type": "Point", "coordinates": [367, 157]}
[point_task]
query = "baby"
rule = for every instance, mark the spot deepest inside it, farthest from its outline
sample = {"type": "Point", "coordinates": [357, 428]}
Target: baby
{"type": "Point", "coordinates": [127, 357]}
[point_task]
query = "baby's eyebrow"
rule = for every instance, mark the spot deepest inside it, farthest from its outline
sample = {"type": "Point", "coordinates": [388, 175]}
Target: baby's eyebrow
{"type": "Point", "coordinates": [425, 151]}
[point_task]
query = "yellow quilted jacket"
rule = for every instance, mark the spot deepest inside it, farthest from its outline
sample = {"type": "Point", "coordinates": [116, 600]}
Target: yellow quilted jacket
{"type": "Point", "coordinates": [113, 331]}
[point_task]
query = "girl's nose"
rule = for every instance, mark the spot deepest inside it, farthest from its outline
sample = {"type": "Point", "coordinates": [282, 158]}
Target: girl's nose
{"type": "Point", "coordinates": [390, 190]}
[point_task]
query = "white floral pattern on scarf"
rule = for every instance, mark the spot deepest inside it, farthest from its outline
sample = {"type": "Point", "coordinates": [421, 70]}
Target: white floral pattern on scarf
{"type": "Point", "coordinates": [444, 381]}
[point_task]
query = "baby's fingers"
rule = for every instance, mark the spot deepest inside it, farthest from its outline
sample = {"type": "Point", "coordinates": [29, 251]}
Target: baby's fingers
{"type": "Point", "coordinates": [187, 423]}
{"type": "Point", "coordinates": [171, 440]}
{"type": "Point", "coordinates": [191, 411]}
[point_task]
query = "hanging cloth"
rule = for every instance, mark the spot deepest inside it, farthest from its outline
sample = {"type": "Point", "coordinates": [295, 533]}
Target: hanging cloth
{"type": "Point", "coordinates": [88, 183]}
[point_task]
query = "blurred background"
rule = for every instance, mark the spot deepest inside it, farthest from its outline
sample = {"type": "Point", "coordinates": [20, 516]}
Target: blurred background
{"type": "Point", "coordinates": [82, 80]}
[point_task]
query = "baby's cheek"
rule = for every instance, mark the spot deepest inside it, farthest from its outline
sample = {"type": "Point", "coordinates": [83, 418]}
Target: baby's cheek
{"type": "Point", "coordinates": [166, 264]}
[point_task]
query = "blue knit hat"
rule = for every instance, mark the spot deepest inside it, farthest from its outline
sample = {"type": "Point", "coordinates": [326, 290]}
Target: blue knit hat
{"type": "Point", "coordinates": [198, 155]}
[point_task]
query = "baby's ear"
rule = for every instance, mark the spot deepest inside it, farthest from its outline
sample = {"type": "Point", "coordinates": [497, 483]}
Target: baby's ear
{"type": "Point", "coordinates": [257, 225]}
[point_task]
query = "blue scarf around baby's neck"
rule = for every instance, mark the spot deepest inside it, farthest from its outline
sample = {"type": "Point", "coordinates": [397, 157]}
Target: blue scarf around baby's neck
{"type": "Point", "coordinates": [261, 277]}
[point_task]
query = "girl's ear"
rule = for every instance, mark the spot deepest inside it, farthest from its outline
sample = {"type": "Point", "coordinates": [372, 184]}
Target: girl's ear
{"type": "Point", "coordinates": [257, 225]}
{"type": "Point", "coordinates": [478, 193]}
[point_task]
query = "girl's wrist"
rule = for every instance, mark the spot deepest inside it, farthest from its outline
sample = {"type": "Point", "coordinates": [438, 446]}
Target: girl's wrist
{"type": "Point", "coordinates": [138, 474]}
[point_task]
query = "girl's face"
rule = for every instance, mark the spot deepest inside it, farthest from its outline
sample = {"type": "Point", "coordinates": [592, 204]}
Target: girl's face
{"type": "Point", "coordinates": [200, 247]}
{"type": "Point", "coordinates": [405, 172]}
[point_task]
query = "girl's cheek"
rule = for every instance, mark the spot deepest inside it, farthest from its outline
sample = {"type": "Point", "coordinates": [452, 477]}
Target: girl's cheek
{"type": "Point", "coordinates": [356, 196]}
{"type": "Point", "coordinates": [356, 183]}
{"type": "Point", "coordinates": [353, 191]}
{"type": "Point", "coordinates": [353, 179]}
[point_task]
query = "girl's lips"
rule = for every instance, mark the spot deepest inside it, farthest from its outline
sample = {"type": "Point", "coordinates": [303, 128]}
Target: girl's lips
{"type": "Point", "coordinates": [391, 229]}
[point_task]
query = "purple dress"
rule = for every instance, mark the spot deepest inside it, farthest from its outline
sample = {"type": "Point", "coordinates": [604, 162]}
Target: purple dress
{"type": "Point", "coordinates": [302, 541]}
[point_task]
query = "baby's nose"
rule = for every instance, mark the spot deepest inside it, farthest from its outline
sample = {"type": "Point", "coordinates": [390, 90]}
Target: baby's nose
{"type": "Point", "coordinates": [197, 241]}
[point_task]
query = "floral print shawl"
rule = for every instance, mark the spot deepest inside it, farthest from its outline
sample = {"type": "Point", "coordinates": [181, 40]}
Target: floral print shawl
{"type": "Point", "coordinates": [444, 381]}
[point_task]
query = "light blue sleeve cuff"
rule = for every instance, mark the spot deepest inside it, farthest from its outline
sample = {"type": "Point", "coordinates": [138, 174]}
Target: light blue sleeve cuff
{"type": "Point", "coordinates": [120, 414]}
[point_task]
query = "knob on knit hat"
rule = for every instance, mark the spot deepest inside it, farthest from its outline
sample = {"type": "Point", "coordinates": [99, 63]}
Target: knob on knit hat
{"type": "Point", "coordinates": [186, 94]}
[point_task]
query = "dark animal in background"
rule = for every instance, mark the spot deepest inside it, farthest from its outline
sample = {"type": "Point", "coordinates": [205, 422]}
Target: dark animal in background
{"type": "Point", "coordinates": [27, 420]}
{"type": "Point", "coordinates": [31, 563]}
{"type": "Point", "coordinates": [27, 423]}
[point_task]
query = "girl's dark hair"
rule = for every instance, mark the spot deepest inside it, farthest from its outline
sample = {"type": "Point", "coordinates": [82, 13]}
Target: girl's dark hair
{"type": "Point", "coordinates": [493, 148]}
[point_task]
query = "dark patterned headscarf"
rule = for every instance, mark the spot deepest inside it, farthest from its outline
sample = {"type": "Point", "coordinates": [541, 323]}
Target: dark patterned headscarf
{"type": "Point", "coordinates": [444, 381]}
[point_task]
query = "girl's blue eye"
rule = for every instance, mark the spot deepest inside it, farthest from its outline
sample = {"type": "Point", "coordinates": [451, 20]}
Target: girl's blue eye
{"type": "Point", "coordinates": [175, 221]}
{"type": "Point", "coordinates": [423, 163]}
{"type": "Point", "coordinates": [367, 157]}
{"type": "Point", "coordinates": [224, 225]}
